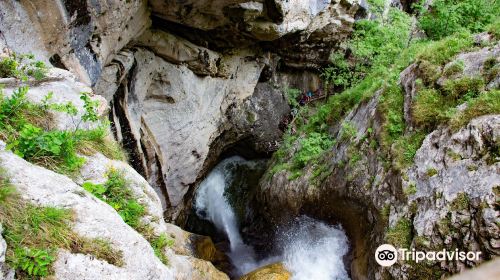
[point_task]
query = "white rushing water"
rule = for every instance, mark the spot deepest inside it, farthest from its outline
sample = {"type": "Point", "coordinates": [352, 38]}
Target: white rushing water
{"type": "Point", "coordinates": [310, 249]}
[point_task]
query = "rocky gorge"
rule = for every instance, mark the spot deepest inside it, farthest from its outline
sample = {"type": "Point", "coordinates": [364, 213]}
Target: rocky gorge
{"type": "Point", "coordinates": [234, 177]}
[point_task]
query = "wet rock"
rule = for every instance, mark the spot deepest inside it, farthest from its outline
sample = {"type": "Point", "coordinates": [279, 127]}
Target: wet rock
{"type": "Point", "coordinates": [275, 271]}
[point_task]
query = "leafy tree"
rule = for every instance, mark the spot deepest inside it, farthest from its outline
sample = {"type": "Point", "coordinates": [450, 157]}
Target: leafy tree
{"type": "Point", "coordinates": [445, 17]}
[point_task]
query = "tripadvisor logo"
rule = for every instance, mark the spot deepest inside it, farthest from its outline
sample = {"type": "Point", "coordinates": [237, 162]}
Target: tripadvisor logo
{"type": "Point", "coordinates": [387, 255]}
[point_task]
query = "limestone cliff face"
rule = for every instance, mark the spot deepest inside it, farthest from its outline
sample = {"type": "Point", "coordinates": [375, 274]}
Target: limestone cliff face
{"type": "Point", "coordinates": [447, 199]}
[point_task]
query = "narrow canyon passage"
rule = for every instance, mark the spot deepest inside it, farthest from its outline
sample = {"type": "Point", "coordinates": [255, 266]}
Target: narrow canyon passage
{"type": "Point", "coordinates": [308, 248]}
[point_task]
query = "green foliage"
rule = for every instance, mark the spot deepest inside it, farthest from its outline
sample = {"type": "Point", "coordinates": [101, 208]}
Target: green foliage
{"type": "Point", "coordinates": [49, 148]}
{"type": "Point", "coordinates": [379, 43]}
{"type": "Point", "coordinates": [440, 52]}
{"type": "Point", "coordinates": [429, 72]}
{"type": "Point", "coordinates": [348, 131]}
{"type": "Point", "coordinates": [400, 235]}
{"type": "Point", "coordinates": [292, 95]}
{"type": "Point", "coordinates": [90, 107]}
{"type": "Point", "coordinates": [391, 106]}
{"type": "Point", "coordinates": [486, 103]}
{"type": "Point", "coordinates": [118, 194]}
{"type": "Point", "coordinates": [340, 73]}
{"type": "Point", "coordinates": [22, 66]}
{"type": "Point", "coordinates": [385, 212]}
{"type": "Point", "coordinates": [454, 68]}
{"type": "Point", "coordinates": [410, 190]}
{"type": "Point", "coordinates": [33, 262]}
{"type": "Point", "coordinates": [463, 88]}
{"type": "Point", "coordinates": [446, 17]}
{"type": "Point", "coordinates": [159, 244]}
{"type": "Point", "coordinates": [405, 149]}
{"type": "Point", "coordinates": [494, 28]}
{"type": "Point", "coordinates": [429, 109]}
{"type": "Point", "coordinates": [310, 148]}
{"type": "Point", "coordinates": [33, 234]}
{"type": "Point", "coordinates": [31, 136]}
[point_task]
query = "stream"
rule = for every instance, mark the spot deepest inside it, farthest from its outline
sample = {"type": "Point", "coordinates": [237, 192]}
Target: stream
{"type": "Point", "coordinates": [309, 248]}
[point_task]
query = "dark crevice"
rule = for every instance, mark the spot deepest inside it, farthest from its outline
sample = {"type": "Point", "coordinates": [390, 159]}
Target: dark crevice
{"type": "Point", "coordinates": [56, 61]}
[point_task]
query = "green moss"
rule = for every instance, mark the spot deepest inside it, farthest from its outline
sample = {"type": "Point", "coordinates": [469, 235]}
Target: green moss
{"type": "Point", "coordinates": [472, 167]}
{"type": "Point", "coordinates": [391, 107]}
{"type": "Point", "coordinates": [463, 88]}
{"type": "Point", "coordinates": [385, 212]}
{"type": "Point", "coordinates": [429, 109]}
{"type": "Point", "coordinates": [429, 72]}
{"type": "Point", "coordinates": [294, 175]}
{"type": "Point", "coordinates": [461, 202]}
{"type": "Point", "coordinates": [431, 172]}
{"type": "Point", "coordinates": [486, 103]}
{"type": "Point", "coordinates": [411, 189]}
{"type": "Point", "coordinates": [453, 155]}
{"type": "Point", "coordinates": [401, 234]}
{"type": "Point", "coordinates": [454, 68]}
{"type": "Point", "coordinates": [425, 270]}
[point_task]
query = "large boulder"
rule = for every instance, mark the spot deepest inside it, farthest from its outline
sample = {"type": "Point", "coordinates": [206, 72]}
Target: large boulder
{"type": "Point", "coordinates": [275, 271]}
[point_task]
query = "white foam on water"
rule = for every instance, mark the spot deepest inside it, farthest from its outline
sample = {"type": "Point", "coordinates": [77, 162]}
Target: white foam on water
{"type": "Point", "coordinates": [310, 249]}
{"type": "Point", "coordinates": [314, 250]}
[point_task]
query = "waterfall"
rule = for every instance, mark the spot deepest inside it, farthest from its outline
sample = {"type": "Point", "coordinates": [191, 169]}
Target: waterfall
{"type": "Point", "coordinates": [314, 250]}
{"type": "Point", "coordinates": [310, 249]}
{"type": "Point", "coordinates": [212, 204]}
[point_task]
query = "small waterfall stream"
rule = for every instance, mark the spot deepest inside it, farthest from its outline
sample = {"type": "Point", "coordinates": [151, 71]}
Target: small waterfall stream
{"type": "Point", "coordinates": [310, 249]}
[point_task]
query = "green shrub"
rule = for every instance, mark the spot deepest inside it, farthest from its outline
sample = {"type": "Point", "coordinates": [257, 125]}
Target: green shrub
{"type": "Point", "coordinates": [310, 148]}
{"type": "Point", "coordinates": [292, 95]}
{"type": "Point", "coordinates": [22, 66]}
{"type": "Point", "coordinates": [440, 52]}
{"type": "Point", "coordinates": [429, 109]}
{"type": "Point", "coordinates": [486, 103]}
{"type": "Point", "coordinates": [463, 88]}
{"type": "Point", "coordinates": [54, 149]}
{"type": "Point", "coordinates": [454, 68]}
{"type": "Point", "coordinates": [445, 17]}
